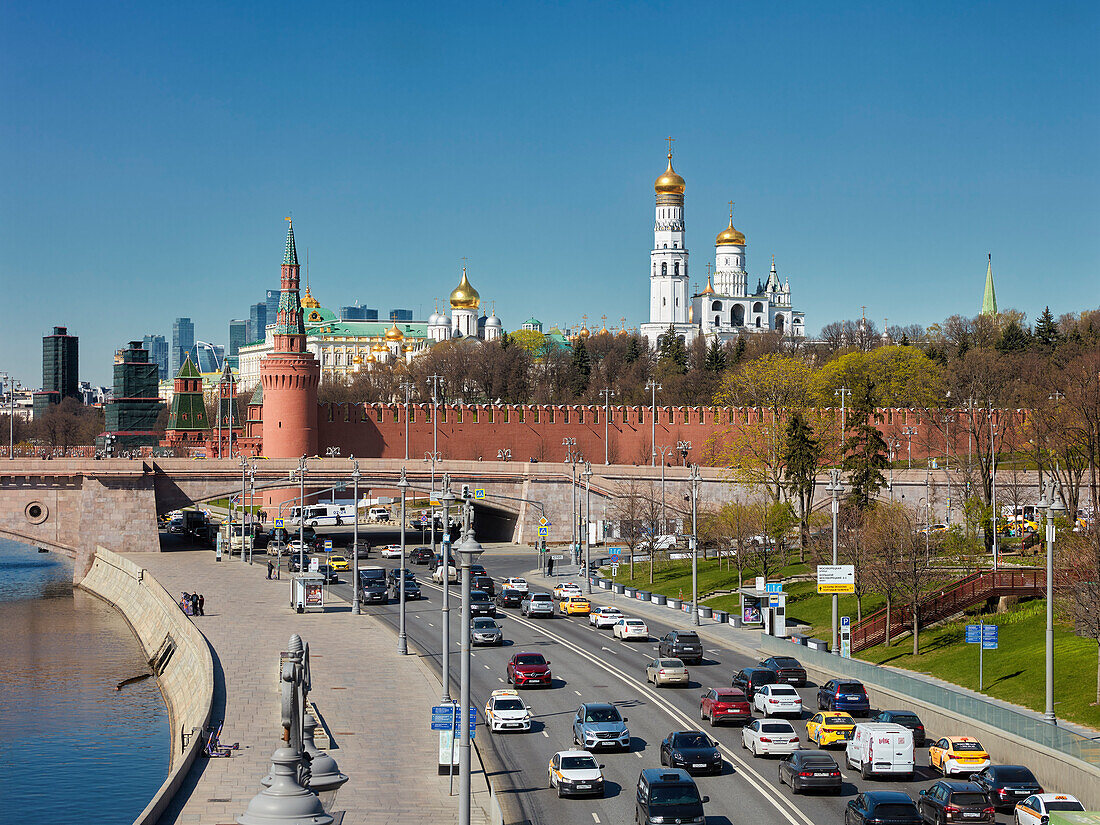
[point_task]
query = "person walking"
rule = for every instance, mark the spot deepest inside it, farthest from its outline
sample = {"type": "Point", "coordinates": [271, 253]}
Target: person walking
{"type": "Point", "coordinates": [550, 568]}
{"type": "Point", "coordinates": [269, 569]}
{"type": "Point", "coordinates": [202, 601]}
{"type": "Point", "coordinates": [194, 604]}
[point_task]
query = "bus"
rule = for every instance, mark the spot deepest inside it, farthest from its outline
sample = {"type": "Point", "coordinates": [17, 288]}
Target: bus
{"type": "Point", "coordinates": [318, 515]}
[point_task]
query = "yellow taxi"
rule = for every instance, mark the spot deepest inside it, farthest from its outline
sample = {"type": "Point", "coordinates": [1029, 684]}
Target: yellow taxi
{"type": "Point", "coordinates": [830, 728]}
{"type": "Point", "coordinates": [337, 562]}
{"type": "Point", "coordinates": [961, 755]}
{"type": "Point", "coordinates": [575, 606]}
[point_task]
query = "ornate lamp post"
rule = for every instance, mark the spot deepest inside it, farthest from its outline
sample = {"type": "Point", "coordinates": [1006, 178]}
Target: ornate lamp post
{"type": "Point", "coordinates": [448, 499]}
{"type": "Point", "coordinates": [665, 452]}
{"type": "Point", "coordinates": [587, 476]}
{"type": "Point", "coordinates": [571, 458]}
{"type": "Point", "coordinates": [355, 475]}
{"type": "Point", "coordinates": [1051, 504]}
{"type": "Point", "coordinates": [836, 488]}
{"type": "Point", "coordinates": [468, 550]}
{"type": "Point", "coordinates": [504, 455]}
{"type": "Point", "coordinates": [407, 386]}
{"type": "Point", "coordinates": [402, 639]}
{"type": "Point", "coordinates": [683, 448]}
{"type": "Point", "coordinates": [607, 392]}
{"type": "Point", "coordinates": [694, 478]}
{"type": "Point", "coordinates": [909, 432]}
{"type": "Point", "coordinates": [653, 386]}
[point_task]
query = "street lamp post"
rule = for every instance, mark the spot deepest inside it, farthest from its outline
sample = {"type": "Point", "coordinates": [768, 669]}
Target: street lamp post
{"type": "Point", "coordinates": [12, 384]}
{"type": "Point", "coordinates": [844, 393]}
{"type": "Point", "coordinates": [571, 458]}
{"type": "Point", "coordinates": [244, 492]}
{"type": "Point", "coordinates": [435, 380]}
{"type": "Point", "coordinates": [252, 508]}
{"type": "Point", "coordinates": [407, 386]}
{"type": "Point", "coordinates": [433, 458]}
{"type": "Point", "coordinates": [1051, 504]}
{"type": "Point", "coordinates": [909, 432]}
{"type": "Point", "coordinates": [447, 498]}
{"type": "Point", "coordinates": [402, 639]}
{"type": "Point", "coordinates": [301, 524]}
{"type": "Point", "coordinates": [665, 452]}
{"type": "Point", "coordinates": [607, 392]}
{"type": "Point", "coordinates": [836, 488]}
{"type": "Point", "coordinates": [504, 455]}
{"type": "Point", "coordinates": [355, 475]}
{"type": "Point", "coordinates": [587, 476]}
{"type": "Point", "coordinates": [694, 478]}
{"type": "Point", "coordinates": [469, 550]}
{"type": "Point", "coordinates": [654, 386]}
{"type": "Point", "coordinates": [993, 483]}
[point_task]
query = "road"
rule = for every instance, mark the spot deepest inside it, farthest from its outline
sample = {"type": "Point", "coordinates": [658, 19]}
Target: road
{"type": "Point", "coordinates": [589, 665]}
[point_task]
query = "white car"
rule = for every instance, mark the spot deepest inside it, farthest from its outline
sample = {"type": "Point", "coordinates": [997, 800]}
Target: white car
{"type": "Point", "coordinates": [452, 574]}
{"type": "Point", "coordinates": [506, 711]}
{"type": "Point", "coordinates": [574, 773]}
{"type": "Point", "coordinates": [602, 617]}
{"type": "Point", "coordinates": [567, 589]}
{"type": "Point", "coordinates": [516, 583]}
{"type": "Point", "coordinates": [390, 551]}
{"type": "Point", "coordinates": [767, 736]}
{"type": "Point", "coordinates": [630, 629]}
{"type": "Point", "coordinates": [773, 700]}
{"type": "Point", "coordinates": [1036, 808]}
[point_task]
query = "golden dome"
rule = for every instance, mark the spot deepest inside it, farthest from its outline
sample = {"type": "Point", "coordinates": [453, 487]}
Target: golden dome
{"type": "Point", "coordinates": [378, 348]}
{"type": "Point", "coordinates": [464, 295]}
{"type": "Point", "coordinates": [669, 183]}
{"type": "Point", "coordinates": [309, 302]}
{"type": "Point", "coordinates": [584, 333]}
{"type": "Point", "coordinates": [394, 334]}
{"type": "Point", "coordinates": [730, 236]}
{"type": "Point", "coordinates": [708, 290]}
{"type": "Point", "coordinates": [370, 359]}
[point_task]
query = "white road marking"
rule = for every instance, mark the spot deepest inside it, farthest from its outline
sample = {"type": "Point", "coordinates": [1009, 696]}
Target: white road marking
{"type": "Point", "coordinates": [430, 624]}
{"type": "Point", "coordinates": [486, 667]}
{"type": "Point", "coordinates": [712, 650]}
{"type": "Point", "coordinates": [500, 680]}
{"type": "Point", "coordinates": [577, 692]}
{"type": "Point", "coordinates": [609, 650]}
{"type": "Point", "coordinates": [544, 733]}
{"type": "Point", "coordinates": [594, 817]}
{"type": "Point", "coordinates": [636, 753]}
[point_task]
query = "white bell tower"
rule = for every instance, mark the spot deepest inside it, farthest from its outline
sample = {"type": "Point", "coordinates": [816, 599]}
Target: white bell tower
{"type": "Point", "coordinates": [668, 275]}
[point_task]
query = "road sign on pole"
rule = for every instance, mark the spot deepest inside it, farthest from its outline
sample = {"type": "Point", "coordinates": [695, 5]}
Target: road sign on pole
{"type": "Point", "coordinates": [836, 578]}
{"type": "Point", "coordinates": [479, 493]}
{"type": "Point", "coordinates": [544, 532]}
{"type": "Point", "coordinates": [544, 521]}
{"type": "Point", "coordinates": [328, 545]}
{"type": "Point", "coordinates": [278, 524]}
{"type": "Point", "coordinates": [614, 570]}
{"type": "Point", "coordinates": [773, 587]}
{"type": "Point", "coordinates": [846, 637]}
{"type": "Point", "coordinates": [615, 553]}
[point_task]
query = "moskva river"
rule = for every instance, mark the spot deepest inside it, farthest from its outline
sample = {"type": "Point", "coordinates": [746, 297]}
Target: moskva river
{"type": "Point", "coordinates": [73, 749]}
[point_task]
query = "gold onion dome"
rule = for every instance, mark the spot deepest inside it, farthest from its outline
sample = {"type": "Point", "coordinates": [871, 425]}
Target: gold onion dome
{"type": "Point", "coordinates": [708, 290]}
{"type": "Point", "coordinates": [394, 334]}
{"type": "Point", "coordinates": [378, 348]}
{"type": "Point", "coordinates": [730, 236]}
{"type": "Point", "coordinates": [309, 302]}
{"type": "Point", "coordinates": [464, 295]}
{"type": "Point", "coordinates": [669, 183]}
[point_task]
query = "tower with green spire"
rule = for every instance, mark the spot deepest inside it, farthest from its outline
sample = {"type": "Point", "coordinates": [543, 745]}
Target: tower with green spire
{"type": "Point", "coordinates": [989, 299]}
{"type": "Point", "coordinates": [187, 422]}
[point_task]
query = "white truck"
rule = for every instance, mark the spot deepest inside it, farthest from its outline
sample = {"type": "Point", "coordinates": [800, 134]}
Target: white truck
{"type": "Point", "coordinates": [881, 749]}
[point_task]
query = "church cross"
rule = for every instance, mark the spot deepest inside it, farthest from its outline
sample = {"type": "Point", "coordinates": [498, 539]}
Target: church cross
{"type": "Point", "coordinates": [670, 139]}
{"type": "Point", "coordinates": [731, 209]}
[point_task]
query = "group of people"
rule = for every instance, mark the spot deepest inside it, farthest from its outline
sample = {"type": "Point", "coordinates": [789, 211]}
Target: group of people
{"type": "Point", "coordinates": [272, 568]}
{"type": "Point", "coordinates": [192, 604]}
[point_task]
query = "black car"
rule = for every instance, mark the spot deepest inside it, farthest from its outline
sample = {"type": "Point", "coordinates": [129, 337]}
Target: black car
{"type": "Point", "coordinates": [691, 750]}
{"type": "Point", "coordinates": [421, 555]}
{"type": "Point", "coordinates": [907, 719]}
{"type": "Point", "coordinates": [329, 574]}
{"type": "Point", "coordinates": [507, 597]}
{"type": "Point", "coordinates": [483, 583]}
{"type": "Point", "coordinates": [750, 679]}
{"type": "Point", "coordinates": [683, 645]}
{"type": "Point", "coordinates": [478, 570]}
{"type": "Point", "coordinates": [668, 795]}
{"type": "Point", "coordinates": [373, 585]}
{"type": "Point", "coordinates": [1005, 785]}
{"type": "Point", "coordinates": [481, 604]}
{"type": "Point", "coordinates": [967, 803]}
{"type": "Point", "coordinates": [810, 770]}
{"type": "Point", "coordinates": [412, 589]}
{"type": "Point", "coordinates": [788, 669]}
{"type": "Point", "coordinates": [894, 807]}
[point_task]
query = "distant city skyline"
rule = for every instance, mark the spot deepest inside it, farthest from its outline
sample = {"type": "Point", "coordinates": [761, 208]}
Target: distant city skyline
{"type": "Point", "coordinates": [880, 152]}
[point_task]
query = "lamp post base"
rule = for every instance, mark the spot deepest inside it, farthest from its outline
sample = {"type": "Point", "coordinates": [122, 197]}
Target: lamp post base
{"type": "Point", "coordinates": [1050, 719]}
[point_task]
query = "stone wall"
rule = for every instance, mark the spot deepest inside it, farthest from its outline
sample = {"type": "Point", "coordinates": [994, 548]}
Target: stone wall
{"type": "Point", "coordinates": [178, 653]}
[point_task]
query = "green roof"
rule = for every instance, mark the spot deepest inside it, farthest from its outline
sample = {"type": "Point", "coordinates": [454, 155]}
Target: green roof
{"type": "Point", "coordinates": [989, 299]}
{"type": "Point", "coordinates": [290, 257]}
{"type": "Point", "coordinates": [258, 396]}
{"type": "Point", "coordinates": [532, 321]}
{"type": "Point", "coordinates": [188, 370]}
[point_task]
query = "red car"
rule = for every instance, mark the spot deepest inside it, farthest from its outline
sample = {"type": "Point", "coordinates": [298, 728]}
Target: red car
{"type": "Point", "coordinates": [528, 669]}
{"type": "Point", "coordinates": [724, 705]}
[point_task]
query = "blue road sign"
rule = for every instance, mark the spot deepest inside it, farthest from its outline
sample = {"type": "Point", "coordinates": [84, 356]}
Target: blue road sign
{"type": "Point", "coordinates": [615, 551]}
{"type": "Point", "coordinates": [328, 545]}
{"type": "Point", "coordinates": [989, 637]}
{"type": "Point", "coordinates": [973, 634]}
{"type": "Point", "coordinates": [845, 621]}
{"type": "Point", "coordinates": [544, 532]}
{"type": "Point", "coordinates": [278, 524]}
{"type": "Point", "coordinates": [773, 587]}
{"type": "Point", "coordinates": [479, 493]}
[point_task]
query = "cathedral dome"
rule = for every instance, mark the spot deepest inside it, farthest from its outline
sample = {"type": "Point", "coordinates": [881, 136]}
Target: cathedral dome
{"type": "Point", "coordinates": [669, 183]}
{"type": "Point", "coordinates": [394, 334]}
{"type": "Point", "coordinates": [309, 302]}
{"type": "Point", "coordinates": [730, 236]}
{"type": "Point", "coordinates": [464, 295]}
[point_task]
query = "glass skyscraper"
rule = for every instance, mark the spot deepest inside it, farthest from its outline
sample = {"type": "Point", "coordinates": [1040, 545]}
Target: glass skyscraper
{"type": "Point", "coordinates": [60, 370]}
{"type": "Point", "coordinates": [183, 341]}
{"type": "Point", "coordinates": [158, 354]}
{"type": "Point", "coordinates": [257, 323]}
{"type": "Point", "coordinates": [238, 336]}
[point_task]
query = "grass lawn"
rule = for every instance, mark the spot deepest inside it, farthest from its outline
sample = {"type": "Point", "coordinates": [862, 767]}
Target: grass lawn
{"type": "Point", "coordinates": [1015, 671]}
{"type": "Point", "coordinates": [670, 577]}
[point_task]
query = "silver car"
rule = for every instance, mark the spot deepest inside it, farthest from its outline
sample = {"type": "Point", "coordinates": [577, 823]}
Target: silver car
{"type": "Point", "coordinates": [484, 630]}
{"type": "Point", "coordinates": [537, 604]}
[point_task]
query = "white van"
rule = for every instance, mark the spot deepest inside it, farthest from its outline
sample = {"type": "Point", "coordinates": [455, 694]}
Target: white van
{"type": "Point", "coordinates": [377, 514]}
{"type": "Point", "coordinates": [880, 749]}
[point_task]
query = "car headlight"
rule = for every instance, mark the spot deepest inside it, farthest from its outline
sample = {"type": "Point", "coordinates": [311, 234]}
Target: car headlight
{"type": "Point", "coordinates": [677, 755]}
{"type": "Point", "coordinates": [657, 818]}
{"type": "Point", "coordinates": [625, 734]}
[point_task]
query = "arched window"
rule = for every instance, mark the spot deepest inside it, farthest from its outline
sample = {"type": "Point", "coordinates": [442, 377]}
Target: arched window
{"type": "Point", "coordinates": [737, 315]}
{"type": "Point", "coordinates": [717, 320]}
{"type": "Point", "coordinates": [676, 269]}
{"type": "Point", "coordinates": [716, 306]}
{"type": "Point", "coordinates": [758, 307]}
{"type": "Point", "coordinates": [664, 268]}
{"type": "Point", "coordinates": [758, 323]}
{"type": "Point", "coordinates": [666, 246]}
{"type": "Point", "coordinates": [779, 323]}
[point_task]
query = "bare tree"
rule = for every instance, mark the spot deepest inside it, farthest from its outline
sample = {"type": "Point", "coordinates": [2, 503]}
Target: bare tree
{"type": "Point", "coordinates": [628, 508]}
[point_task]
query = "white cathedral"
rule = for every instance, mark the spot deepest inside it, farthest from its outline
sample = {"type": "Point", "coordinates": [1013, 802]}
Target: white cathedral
{"type": "Point", "coordinates": [723, 310]}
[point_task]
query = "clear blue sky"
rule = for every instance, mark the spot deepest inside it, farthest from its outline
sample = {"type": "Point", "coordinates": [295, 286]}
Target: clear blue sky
{"type": "Point", "coordinates": [149, 152]}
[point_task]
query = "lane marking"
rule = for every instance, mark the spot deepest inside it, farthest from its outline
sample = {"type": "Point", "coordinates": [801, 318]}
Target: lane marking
{"type": "Point", "coordinates": [544, 733]}
{"type": "Point", "coordinates": [594, 817]}
{"type": "Point", "coordinates": [638, 754]}
{"type": "Point", "coordinates": [609, 650]}
{"type": "Point", "coordinates": [486, 667]}
{"type": "Point", "coordinates": [500, 680]}
{"type": "Point", "coordinates": [577, 692]}
{"type": "Point", "coordinates": [430, 624]}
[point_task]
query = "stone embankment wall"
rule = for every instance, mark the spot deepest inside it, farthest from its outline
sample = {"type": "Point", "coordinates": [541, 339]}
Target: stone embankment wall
{"type": "Point", "coordinates": [178, 654]}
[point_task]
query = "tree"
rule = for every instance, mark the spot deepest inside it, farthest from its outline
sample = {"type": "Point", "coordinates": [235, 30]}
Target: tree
{"type": "Point", "coordinates": [865, 451]}
{"type": "Point", "coordinates": [716, 357]}
{"type": "Point", "coordinates": [629, 510]}
{"type": "Point", "coordinates": [671, 353]}
{"type": "Point", "coordinates": [579, 369]}
{"type": "Point", "coordinates": [1077, 579]}
{"type": "Point", "coordinates": [1014, 338]}
{"type": "Point", "coordinates": [885, 525]}
{"type": "Point", "coordinates": [913, 572]}
{"type": "Point", "coordinates": [802, 457]}
{"type": "Point", "coordinates": [1046, 330]}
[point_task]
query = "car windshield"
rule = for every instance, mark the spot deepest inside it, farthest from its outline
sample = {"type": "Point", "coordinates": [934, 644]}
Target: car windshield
{"type": "Point", "coordinates": [1064, 805]}
{"type": "Point", "coordinates": [1014, 773]}
{"type": "Point", "coordinates": [763, 677]}
{"type": "Point", "coordinates": [776, 727]}
{"type": "Point", "coordinates": [967, 799]}
{"type": "Point", "coordinates": [818, 764]}
{"type": "Point", "coordinates": [904, 718]}
{"type": "Point", "coordinates": [633, 622]}
{"type": "Point", "coordinates": [730, 695]}
{"type": "Point", "coordinates": [892, 810]}
{"type": "Point", "coordinates": [530, 659]}
{"type": "Point", "coordinates": [509, 594]}
{"type": "Point", "coordinates": [479, 596]}
{"type": "Point", "coordinates": [670, 663]}
{"type": "Point", "coordinates": [673, 795]}
{"type": "Point", "coordinates": [484, 624]}
{"type": "Point", "coordinates": [690, 740]}
{"type": "Point", "coordinates": [602, 715]}
{"type": "Point", "coordinates": [578, 763]}
{"type": "Point", "coordinates": [688, 638]}
{"type": "Point", "coordinates": [509, 704]}
{"type": "Point", "coordinates": [849, 687]}
{"type": "Point", "coordinates": [786, 661]}
{"type": "Point", "coordinates": [968, 746]}
{"type": "Point", "coordinates": [783, 690]}
{"type": "Point", "coordinates": [837, 720]}
{"type": "Point", "coordinates": [372, 575]}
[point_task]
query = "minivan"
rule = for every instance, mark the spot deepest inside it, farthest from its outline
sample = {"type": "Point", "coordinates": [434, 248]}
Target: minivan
{"type": "Point", "coordinates": [668, 795]}
{"type": "Point", "coordinates": [377, 514]}
{"type": "Point", "coordinates": [881, 749]}
{"type": "Point", "coordinates": [372, 585]}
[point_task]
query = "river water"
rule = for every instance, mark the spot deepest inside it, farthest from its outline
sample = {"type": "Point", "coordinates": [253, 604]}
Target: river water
{"type": "Point", "coordinates": [72, 747]}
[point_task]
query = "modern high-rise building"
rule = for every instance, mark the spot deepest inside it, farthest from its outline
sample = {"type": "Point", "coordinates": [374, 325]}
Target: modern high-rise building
{"type": "Point", "coordinates": [238, 336]}
{"type": "Point", "coordinates": [209, 357]}
{"type": "Point", "coordinates": [358, 313]}
{"type": "Point", "coordinates": [158, 353]}
{"type": "Point", "coordinates": [60, 370]}
{"type": "Point", "coordinates": [272, 300]}
{"type": "Point", "coordinates": [135, 404]}
{"type": "Point", "coordinates": [401, 314]}
{"type": "Point", "coordinates": [183, 341]}
{"type": "Point", "coordinates": [257, 322]}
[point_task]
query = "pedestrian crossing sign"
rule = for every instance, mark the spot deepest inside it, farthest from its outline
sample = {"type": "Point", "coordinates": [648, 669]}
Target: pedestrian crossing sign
{"type": "Point", "coordinates": [544, 532]}
{"type": "Point", "coordinates": [278, 524]}
{"type": "Point", "coordinates": [479, 493]}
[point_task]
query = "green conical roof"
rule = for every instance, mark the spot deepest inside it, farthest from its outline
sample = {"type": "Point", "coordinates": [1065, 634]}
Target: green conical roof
{"type": "Point", "coordinates": [989, 299]}
{"type": "Point", "coordinates": [258, 396]}
{"type": "Point", "coordinates": [188, 370]}
{"type": "Point", "coordinates": [290, 257]}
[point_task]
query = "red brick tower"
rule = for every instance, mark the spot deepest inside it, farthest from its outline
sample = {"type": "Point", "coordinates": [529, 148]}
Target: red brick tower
{"type": "Point", "coordinates": [289, 374]}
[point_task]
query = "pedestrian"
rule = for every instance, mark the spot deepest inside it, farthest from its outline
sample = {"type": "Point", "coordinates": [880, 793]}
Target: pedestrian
{"type": "Point", "coordinates": [269, 569]}
{"type": "Point", "coordinates": [202, 601]}
{"type": "Point", "coordinates": [194, 599]}
{"type": "Point", "coordinates": [550, 568]}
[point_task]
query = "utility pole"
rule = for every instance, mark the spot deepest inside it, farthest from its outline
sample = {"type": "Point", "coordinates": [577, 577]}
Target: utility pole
{"type": "Point", "coordinates": [694, 478]}
{"type": "Point", "coordinates": [843, 392]}
{"type": "Point", "coordinates": [993, 480]}
{"type": "Point", "coordinates": [407, 386]}
{"type": "Point", "coordinates": [355, 605]}
{"type": "Point", "coordinates": [587, 476]}
{"type": "Point", "coordinates": [607, 392]}
{"type": "Point", "coordinates": [665, 451]}
{"type": "Point", "coordinates": [447, 499]}
{"type": "Point", "coordinates": [1053, 507]}
{"type": "Point", "coordinates": [571, 458]}
{"type": "Point", "coordinates": [909, 432]}
{"type": "Point", "coordinates": [402, 638]}
{"type": "Point", "coordinates": [836, 488]}
{"type": "Point", "coordinates": [435, 380]}
{"type": "Point", "coordinates": [654, 386]}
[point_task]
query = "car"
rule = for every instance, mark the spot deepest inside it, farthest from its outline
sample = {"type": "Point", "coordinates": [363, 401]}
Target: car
{"type": "Point", "coordinates": [601, 617]}
{"type": "Point", "coordinates": [682, 644]}
{"type": "Point", "coordinates": [421, 556]}
{"type": "Point", "coordinates": [528, 670]}
{"type": "Point", "coordinates": [668, 795]}
{"type": "Point", "coordinates": [481, 604]}
{"type": "Point", "coordinates": [566, 589]}
{"type": "Point", "coordinates": [600, 725]}
{"type": "Point", "coordinates": [844, 694]}
{"type": "Point", "coordinates": [507, 597]}
{"type": "Point", "coordinates": [751, 679]}
{"type": "Point", "coordinates": [905, 718]}
{"type": "Point", "coordinates": [478, 570]}
{"type": "Point", "coordinates": [506, 711]}
{"type": "Point", "coordinates": [537, 604]}
{"type": "Point", "coordinates": [764, 737]}
{"type": "Point", "coordinates": [691, 750]}
{"type": "Point", "coordinates": [412, 589]}
{"type": "Point", "coordinates": [516, 583]}
{"type": "Point", "coordinates": [484, 630]}
{"type": "Point", "coordinates": [953, 801]}
{"type": "Point", "coordinates": [667, 672]}
{"type": "Point", "coordinates": [630, 629]}
{"type": "Point", "coordinates": [378, 514]}
{"type": "Point", "coordinates": [573, 773]}
{"type": "Point", "coordinates": [482, 582]}
{"type": "Point", "coordinates": [1036, 809]}
{"type": "Point", "coordinates": [957, 755]}
{"type": "Point", "coordinates": [774, 700]}
{"type": "Point", "coordinates": [810, 770]}
{"type": "Point", "coordinates": [1005, 785]}
{"type": "Point", "coordinates": [830, 728]}
{"type": "Point", "coordinates": [329, 574]}
{"type": "Point", "coordinates": [894, 807]}
{"type": "Point", "coordinates": [372, 585]}
{"type": "Point", "coordinates": [787, 668]}
{"type": "Point", "coordinates": [452, 574]}
{"type": "Point", "coordinates": [394, 573]}
{"type": "Point", "coordinates": [575, 606]}
{"type": "Point", "coordinates": [724, 705]}
{"type": "Point", "coordinates": [390, 551]}
{"type": "Point", "coordinates": [338, 563]}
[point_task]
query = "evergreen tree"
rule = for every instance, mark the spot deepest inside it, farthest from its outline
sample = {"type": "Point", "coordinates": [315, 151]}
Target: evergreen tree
{"type": "Point", "coordinates": [864, 450]}
{"type": "Point", "coordinates": [801, 457]}
{"type": "Point", "coordinates": [633, 351]}
{"type": "Point", "coordinates": [580, 368]}
{"type": "Point", "coordinates": [904, 340]}
{"type": "Point", "coordinates": [505, 341]}
{"type": "Point", "coordinates": [1014, 338]}
{"type": "Point", "coordinates": [1046, 330]}
{"type": "Point", "coordinates": [716, 357]}
{"type": "Point", "coordinates": [672, 354]}
{"type": "Point", "coordinates": [739, 350]}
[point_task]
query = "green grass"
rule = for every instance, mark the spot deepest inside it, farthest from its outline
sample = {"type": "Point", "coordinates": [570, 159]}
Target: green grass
{"type": "Point", "coordinates": [1015, 672]}
{"type": "Point", "coordinates": [670, 577]}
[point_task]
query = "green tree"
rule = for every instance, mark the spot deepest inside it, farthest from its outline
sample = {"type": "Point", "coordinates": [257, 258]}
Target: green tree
{"type": "Point", "coordinates": [633, 350]}
{"type": "Point", "coordinates": [1014, 338]}
{"type": "Point", "coordinates": [802, 457]}
{"type": "Point", "coordinates": [671, 353]}
{"type": "Point", "coordinates": [580, 368]}
{"type": "Point", "coordinates": [739, 350]}
{"type": "Point", "coordinates": [1046, 330]}
{"type": "Point", "coordinates": [865, 450]}
{"type": "Point", "coordinates": [716, 357]}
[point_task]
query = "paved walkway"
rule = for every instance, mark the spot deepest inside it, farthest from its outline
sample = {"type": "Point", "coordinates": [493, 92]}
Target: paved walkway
{"type": "Point", "coordinates": [375, 703]}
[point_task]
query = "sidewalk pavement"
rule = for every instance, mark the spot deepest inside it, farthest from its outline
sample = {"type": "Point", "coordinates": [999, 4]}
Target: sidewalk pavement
{"type": "Point", "coordinates": [375, 703]}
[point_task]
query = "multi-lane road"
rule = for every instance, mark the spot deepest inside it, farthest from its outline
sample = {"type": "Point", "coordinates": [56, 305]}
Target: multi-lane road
{"type": "Point", "coordinates": [590, 666]}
